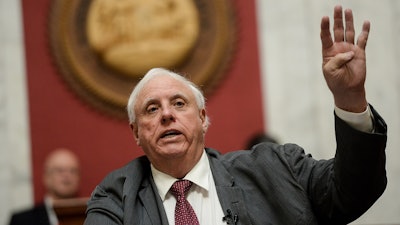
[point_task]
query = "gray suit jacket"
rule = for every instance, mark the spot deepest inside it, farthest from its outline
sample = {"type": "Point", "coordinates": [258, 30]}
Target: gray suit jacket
{"type": "Point", "coordinates": [270, 184]}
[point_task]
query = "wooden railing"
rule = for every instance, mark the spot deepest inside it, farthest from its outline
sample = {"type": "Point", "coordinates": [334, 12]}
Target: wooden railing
{"type": "Point", "coordinates": [71, 211]}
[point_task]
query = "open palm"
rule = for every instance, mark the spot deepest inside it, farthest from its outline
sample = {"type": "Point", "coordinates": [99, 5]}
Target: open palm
{"type": "Point", "coordinates": [344, 62]}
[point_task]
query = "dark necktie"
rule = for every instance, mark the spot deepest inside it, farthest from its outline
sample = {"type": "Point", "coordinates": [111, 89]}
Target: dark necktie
{"type": "Point", "coordinates": [184, 213]}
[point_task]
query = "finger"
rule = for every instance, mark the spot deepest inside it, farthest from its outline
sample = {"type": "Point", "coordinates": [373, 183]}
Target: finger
{"type": "Point", "coordinates": [338, 29]}
{"type": "Point", "coordinates": [363, 37]}
{"type": "Point", "coordinates": [326, 38]}
{"type": "Point", "coordinates": [348, 14]}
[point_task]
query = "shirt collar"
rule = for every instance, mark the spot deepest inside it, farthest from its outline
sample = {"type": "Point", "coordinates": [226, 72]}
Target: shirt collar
{"type": "Point", "coordinates": [198, 175]}
{"type": "Point", "coordinates": [48, 202]}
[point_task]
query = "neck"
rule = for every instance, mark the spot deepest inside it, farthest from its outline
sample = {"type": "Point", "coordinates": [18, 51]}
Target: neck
{"type": "Point", "coordinates": [179, 167]}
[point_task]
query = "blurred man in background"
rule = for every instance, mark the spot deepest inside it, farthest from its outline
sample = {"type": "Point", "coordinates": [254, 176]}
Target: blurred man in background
{"type": "Point", "coordinates": [61, 177]}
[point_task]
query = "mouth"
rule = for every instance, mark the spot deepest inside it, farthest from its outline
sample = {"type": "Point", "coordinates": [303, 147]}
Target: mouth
{"type": "Point", "coordinates": [170, 133]}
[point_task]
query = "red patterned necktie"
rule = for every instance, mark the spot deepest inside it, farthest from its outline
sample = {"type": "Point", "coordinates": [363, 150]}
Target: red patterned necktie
{"type": "Point", "coordinates": [184, 213]}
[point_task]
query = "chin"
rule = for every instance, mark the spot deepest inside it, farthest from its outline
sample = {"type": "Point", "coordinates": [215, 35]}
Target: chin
{"type": "Point", "coordinates": [174, 152]}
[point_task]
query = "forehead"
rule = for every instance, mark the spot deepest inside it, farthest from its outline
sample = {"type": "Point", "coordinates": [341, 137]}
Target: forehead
{"type": "Point", "coordinates": [164, 86]}
{"type": "Point", "coordinates": [62, 160]}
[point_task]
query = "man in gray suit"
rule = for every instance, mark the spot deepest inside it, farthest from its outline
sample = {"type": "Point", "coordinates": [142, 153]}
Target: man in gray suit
{"type": "Point", "coordinates": [271, 183]}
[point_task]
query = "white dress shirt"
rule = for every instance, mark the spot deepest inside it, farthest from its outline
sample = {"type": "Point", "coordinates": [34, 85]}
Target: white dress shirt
{"type": "Point", "coordinates": [202, 196]}
{"type": "Point", "coordinates": [360, 121]}
{"type": "Point", "coordinates": [48, 203]}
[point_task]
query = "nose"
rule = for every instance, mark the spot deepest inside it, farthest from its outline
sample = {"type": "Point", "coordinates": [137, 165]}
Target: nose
{"type": "Point", "coordinates": [167, 115]}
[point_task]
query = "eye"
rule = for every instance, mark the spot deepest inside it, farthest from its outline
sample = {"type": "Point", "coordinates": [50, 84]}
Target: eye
{"type": "Point", "coordinates": [179, 103]}
{"type": "Point", "coordinates": [151, 109]}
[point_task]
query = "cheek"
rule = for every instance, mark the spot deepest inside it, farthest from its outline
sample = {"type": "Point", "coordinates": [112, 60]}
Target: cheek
{"type": "Point", "coordinates": [76, 182]}
{"type": "Point", "coordinates": [147, 130]}
{"type": "Point", "coordinates": [195, 126]}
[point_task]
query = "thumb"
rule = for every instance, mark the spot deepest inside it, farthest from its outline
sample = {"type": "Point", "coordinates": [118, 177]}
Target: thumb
{"type": "Point", "coordinates": [340, 59]}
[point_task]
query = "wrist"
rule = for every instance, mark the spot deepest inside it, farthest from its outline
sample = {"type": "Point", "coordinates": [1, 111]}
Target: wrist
{"type": "Point", "coordinates": [352, 103]}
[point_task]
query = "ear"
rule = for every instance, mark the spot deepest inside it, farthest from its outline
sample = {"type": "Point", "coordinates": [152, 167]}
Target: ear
{"type": "Point", "coordinates": [203, 117]}
{"type": "Point", "coordinates": [135, 131]}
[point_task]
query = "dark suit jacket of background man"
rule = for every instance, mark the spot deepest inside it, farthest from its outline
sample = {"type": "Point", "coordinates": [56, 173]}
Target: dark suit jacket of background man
{"type": "Point", "coordinates": [35, 216]}
{"type": "Point", "coordinates": [270, 184]}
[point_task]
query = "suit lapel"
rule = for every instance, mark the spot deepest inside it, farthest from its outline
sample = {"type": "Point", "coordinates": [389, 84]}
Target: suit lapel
{"type": "Point", "coordinates": [230, 196]}
{"type": "Point", "coordinates": [152, 203]}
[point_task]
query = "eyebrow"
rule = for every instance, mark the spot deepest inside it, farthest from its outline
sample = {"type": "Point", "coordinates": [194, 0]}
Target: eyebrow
{"type": "Point", "coordinates": [149, 101]}
{"type": "Point", "coordinates": [179, 95]}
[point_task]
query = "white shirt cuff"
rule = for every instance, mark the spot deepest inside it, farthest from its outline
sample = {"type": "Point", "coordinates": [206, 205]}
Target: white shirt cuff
{"type": "Point", "coordinates": [359, 121]}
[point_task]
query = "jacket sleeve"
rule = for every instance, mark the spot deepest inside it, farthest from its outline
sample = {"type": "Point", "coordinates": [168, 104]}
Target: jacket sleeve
{"type": "Point", "coordinates": [343, 188]}
{"type": "Point", "coordinates": [103, 209]}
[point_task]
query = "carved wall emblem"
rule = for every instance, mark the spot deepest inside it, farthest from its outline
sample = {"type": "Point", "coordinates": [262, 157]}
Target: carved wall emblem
{"type": "Point", "coordinates": [103, 47]}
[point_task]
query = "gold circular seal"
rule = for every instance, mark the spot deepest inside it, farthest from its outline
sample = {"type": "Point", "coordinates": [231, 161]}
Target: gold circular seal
{"type": "Point", "coordinates": [103, 47]}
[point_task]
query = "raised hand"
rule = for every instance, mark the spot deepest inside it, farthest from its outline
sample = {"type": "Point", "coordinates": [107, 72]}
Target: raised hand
{"type": "Point", "coordinates": [344, 62]}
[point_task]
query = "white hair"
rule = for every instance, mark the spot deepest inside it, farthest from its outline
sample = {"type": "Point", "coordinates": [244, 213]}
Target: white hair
{"type": "Point", "coordinates": [153, 73]}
